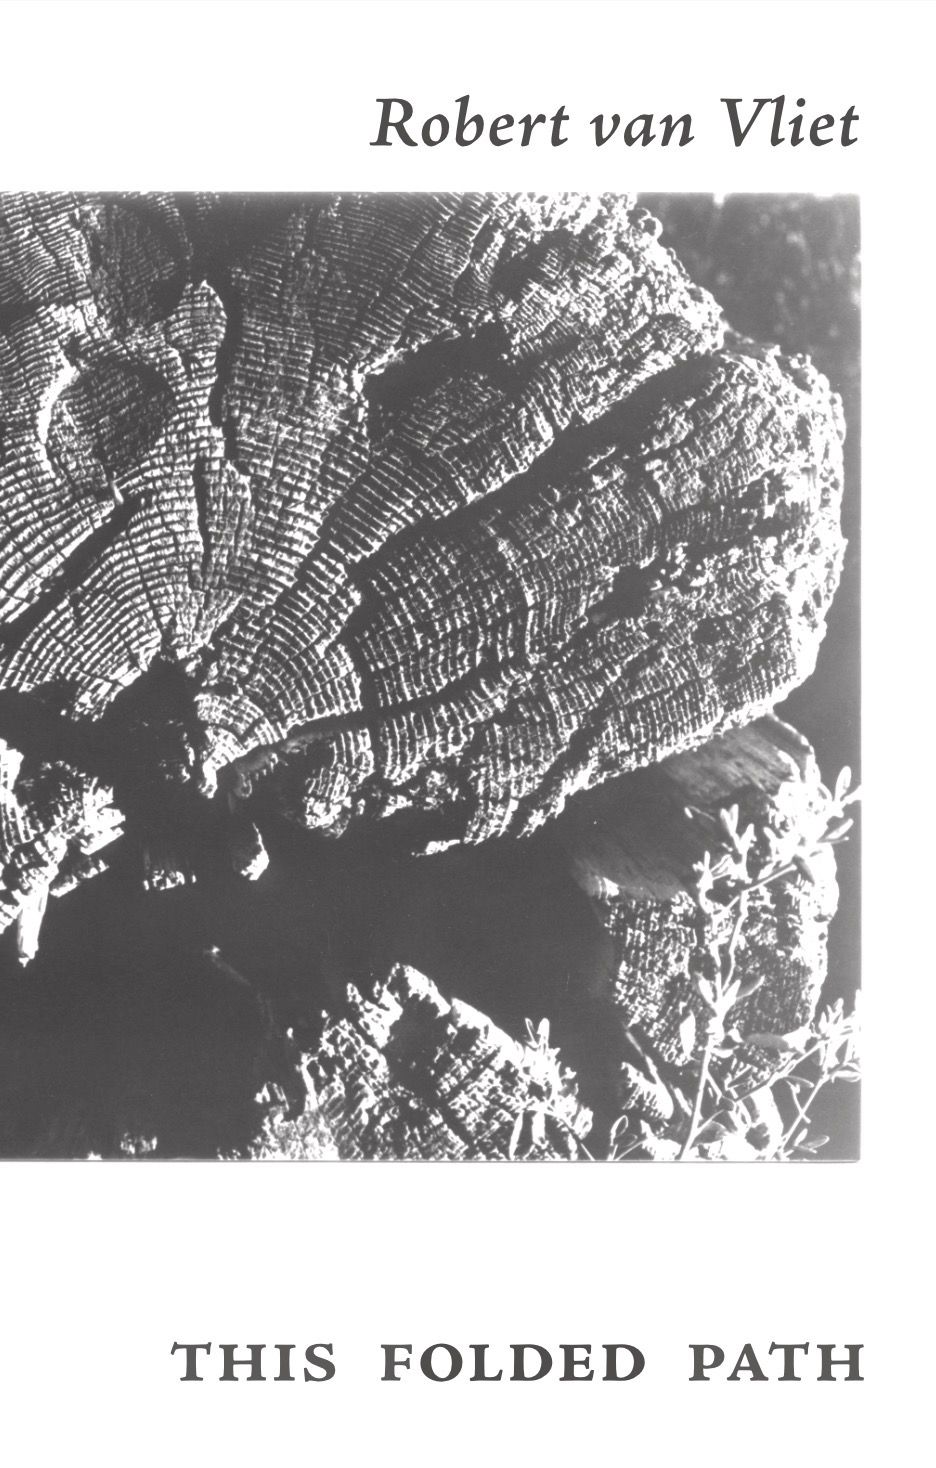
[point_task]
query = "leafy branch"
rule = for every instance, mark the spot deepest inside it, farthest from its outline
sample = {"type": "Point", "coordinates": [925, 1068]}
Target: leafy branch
{"type": "Point", "coordinates": [743, 862]}
{"type": "Point", "coordinates": [718, 1102]}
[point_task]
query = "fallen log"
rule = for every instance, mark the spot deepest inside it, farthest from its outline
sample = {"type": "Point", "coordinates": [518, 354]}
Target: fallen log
{"type": "Point", "coordinates": [368, 505]}
{"type": "Point", "coordinates": [412, 515]}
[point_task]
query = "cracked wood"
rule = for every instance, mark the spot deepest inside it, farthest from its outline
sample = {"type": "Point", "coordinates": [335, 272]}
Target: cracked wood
{"type": "Point", "coordinates": [445, 505]}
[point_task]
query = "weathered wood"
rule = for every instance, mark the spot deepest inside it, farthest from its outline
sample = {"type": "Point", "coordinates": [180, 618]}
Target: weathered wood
{"type": "Point", "coordinates": [370, 504]}
{"type": "Point", "coordinates": [408, 1075]}
{"type": "Point", "coordinates": [432, 511]}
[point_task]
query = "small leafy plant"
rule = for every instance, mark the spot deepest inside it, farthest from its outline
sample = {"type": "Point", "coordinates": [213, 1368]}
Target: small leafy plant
{"type": "Point", "coordinates": [548, 1099]}
{"type": "Point", "coordinates": [728, 1110]}
{"type": "Point", "coordinates": [718, 1104]}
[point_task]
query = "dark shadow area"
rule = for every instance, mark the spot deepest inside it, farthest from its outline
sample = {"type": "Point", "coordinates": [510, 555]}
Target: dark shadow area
{"type": "Point", "coordinates": [162, 1014]}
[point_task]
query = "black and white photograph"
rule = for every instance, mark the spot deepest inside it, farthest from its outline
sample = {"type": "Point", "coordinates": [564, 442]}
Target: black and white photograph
{"type": "Point", "coordinates": [429, 676]}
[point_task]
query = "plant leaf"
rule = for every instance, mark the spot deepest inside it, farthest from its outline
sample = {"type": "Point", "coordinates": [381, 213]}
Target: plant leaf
{"type": "Point", "coordinates": [837, 832]}
{"type": "Point", "coordinates": [802, 861]}
{"type": "Point", "coordinates": [706, 989]}
{"type": "Point", "coordinates": [687, 1034]}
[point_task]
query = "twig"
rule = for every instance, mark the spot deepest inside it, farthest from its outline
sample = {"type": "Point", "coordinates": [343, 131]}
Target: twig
{"type": "Point", "coordinates": [725, 998]}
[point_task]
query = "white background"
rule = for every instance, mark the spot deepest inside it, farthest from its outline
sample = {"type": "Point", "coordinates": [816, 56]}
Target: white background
{"type": "Point", "coordinates": [104, 1266]}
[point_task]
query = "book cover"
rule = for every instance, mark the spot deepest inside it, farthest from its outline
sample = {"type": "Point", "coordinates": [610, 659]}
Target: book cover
{"type": "Point", "coordinates": [438, 461]}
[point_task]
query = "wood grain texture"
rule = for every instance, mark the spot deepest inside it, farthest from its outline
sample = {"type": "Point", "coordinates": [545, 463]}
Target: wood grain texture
{"type": "Point", "coordinates": [409, 1076]}
{"type": "Point", "coordinates": [355, 506]}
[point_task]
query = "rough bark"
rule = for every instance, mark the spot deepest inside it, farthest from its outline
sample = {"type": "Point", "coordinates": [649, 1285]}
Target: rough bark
{"type": "Point", "coordinates": [364, 505]}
